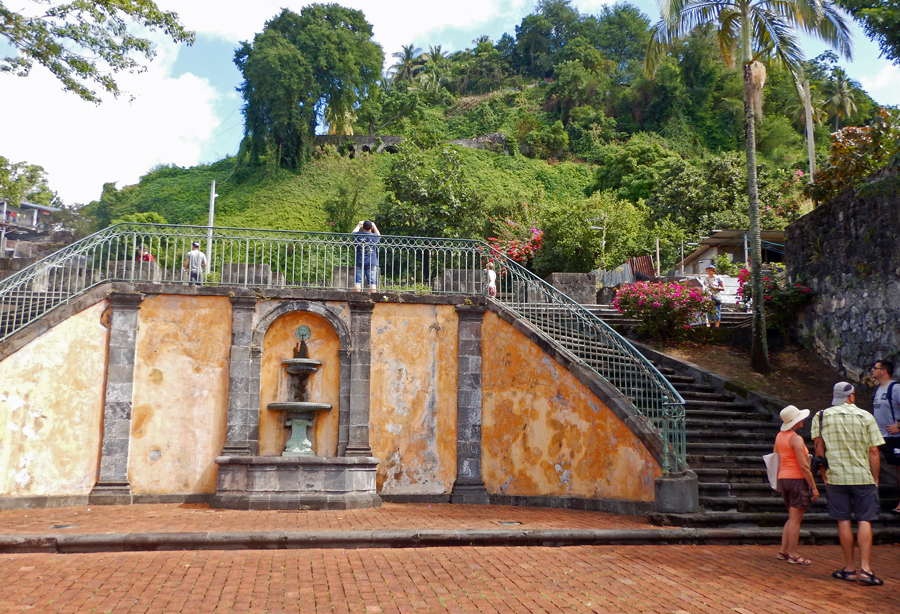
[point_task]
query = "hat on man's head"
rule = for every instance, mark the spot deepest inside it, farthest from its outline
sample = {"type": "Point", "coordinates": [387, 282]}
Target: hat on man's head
{"type": "Point", "coordinates": [842, 391]}
{"type": "Point", "coordinates": [790, 415]}
{"type": "Point", "coordinates": [711, 266]}
{"type": "Point", "coordinates": [195, 244]}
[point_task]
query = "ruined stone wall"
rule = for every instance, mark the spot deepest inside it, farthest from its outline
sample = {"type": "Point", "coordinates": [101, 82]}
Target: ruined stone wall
{"type": "Point", "coordinates": [846, 250]}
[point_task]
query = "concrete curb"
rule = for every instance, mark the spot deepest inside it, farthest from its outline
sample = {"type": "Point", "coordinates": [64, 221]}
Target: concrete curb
{"type": "Point", "coordinates": [57, 543]}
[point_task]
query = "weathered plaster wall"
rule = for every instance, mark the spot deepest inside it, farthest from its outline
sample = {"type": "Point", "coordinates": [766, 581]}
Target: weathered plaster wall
{"type": "Point", "coordinates": [413, 388]}
{"type": "Point", "coordinates": [544, 433]}
{"type": "Point", "coordinates": [180, 394]}
{"type": "Point", "coordinates": [323, 386]}
{"type": "Point", "coordinates": [846, 250]}
{"type": "Point", "coordinates": [51, 409]}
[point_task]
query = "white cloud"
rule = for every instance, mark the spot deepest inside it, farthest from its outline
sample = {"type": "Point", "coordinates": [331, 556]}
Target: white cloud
{"type": "Point", "coordinates": [82, 146]}
{"type": "Point", "coordinates": [883, 86]}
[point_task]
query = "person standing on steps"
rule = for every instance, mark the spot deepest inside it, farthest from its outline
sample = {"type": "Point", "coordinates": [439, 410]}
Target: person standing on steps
{"type": "Point", "coordinates": [492, 280]}
{"type": "Point", "coordinates": [848, 438]}
{"type": "Point", "coordinates": [796, 480]}
{"type": "Point", "coordinates": [366, 235]}
{"type": "Point", "coordinates": [196, 264]}
{"type": "Point", "coordinates": [713, 285]}
{"type": "Point", "coordinates": [886, 408]}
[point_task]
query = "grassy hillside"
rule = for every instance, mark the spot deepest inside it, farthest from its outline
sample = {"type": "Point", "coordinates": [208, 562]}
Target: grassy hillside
{"type": "Point", "coordinates": [285, 200]}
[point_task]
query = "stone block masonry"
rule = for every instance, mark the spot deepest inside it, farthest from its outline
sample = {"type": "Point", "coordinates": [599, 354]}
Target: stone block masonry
{"type": "Point", "coordinates": [846, 250]}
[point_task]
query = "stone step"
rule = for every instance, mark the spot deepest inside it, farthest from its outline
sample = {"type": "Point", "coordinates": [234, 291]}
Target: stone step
{"type": "Point", "coordinates": [754, 504]}
{"type": "Point", "coordinates": [730, 436]}
{"type": "Point", "coordinates": [722, 461]}
{"type": "Point", "coordinates": [709, 424]}
{"type": "Point", "coordinates": [682, 387]}
{"type": "Point", "coordinates": [724, 414]}
{"type": "Point", "coordinates": [739, 450]}
{"type": "Point", "coordinates": [696, 395]}
{"type": "Point", "coordinates": [885, 529]}
{"type": "Point", "coordinates": [724, 405]}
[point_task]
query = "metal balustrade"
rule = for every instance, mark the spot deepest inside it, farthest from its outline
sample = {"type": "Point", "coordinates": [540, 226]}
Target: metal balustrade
{"type": "Point", "coordinates": [283, 259]}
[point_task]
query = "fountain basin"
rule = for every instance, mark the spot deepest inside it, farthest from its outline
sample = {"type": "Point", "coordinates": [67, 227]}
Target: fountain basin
{"type": "Point", "coordinates": [298, 406]}
{"type": "Point", "coordinates": [296, 483]}
{"type": "Point", "coordinates": [300, 366]}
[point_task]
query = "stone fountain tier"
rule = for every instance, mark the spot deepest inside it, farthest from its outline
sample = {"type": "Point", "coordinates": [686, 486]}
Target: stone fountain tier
{"type": "Point", "coordinates": [296, 483]}
{"type": "Point", "coordinates": [298, 406]}
{"type": "Point", "coordinates": [300, 366]}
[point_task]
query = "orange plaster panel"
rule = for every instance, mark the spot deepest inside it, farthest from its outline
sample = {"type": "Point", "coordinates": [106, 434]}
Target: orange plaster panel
{"type": "Point", "coordinates": [545, 433]}
{"type": "Point", "coordinates": [180, 399]}
{"type": "Point", "coordinates": [323, 386]}
{"type": "Point", "coordinates": [51, 409]}
{"type": "Point", "coordinates": [413, 392]}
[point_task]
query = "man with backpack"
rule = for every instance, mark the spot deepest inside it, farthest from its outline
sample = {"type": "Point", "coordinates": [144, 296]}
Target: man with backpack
{"type": "Point", "coordinates": [848, 438]}
{"type": "Point", "coordinates": [886, 407]}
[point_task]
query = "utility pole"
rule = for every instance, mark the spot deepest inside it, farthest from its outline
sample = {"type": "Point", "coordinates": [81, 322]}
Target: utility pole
{"type": "Point", "coordinates": [658, 264]}
{"type": "Point", "coordinates": [810, 144]}
{"type": "Point", "coordinates": [212, 217]}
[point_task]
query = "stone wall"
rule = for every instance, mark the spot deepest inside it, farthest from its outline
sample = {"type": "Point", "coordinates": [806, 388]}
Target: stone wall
{"type": "Point", "coordinates": [846, 250]}
{"type": "Point", "coordinates": [450, 387]}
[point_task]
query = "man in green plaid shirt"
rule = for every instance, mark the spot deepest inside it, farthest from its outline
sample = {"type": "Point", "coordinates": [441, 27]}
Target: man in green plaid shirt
{"type": "Point", "coordinates": [849, 438]}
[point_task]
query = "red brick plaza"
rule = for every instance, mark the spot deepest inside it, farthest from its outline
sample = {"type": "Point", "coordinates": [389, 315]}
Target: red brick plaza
{"type": "Point", "coordinates": [672, 579]}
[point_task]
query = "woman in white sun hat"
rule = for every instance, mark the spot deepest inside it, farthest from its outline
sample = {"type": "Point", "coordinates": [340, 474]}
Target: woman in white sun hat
{"type": "Point", "coordinates": [798, 487]}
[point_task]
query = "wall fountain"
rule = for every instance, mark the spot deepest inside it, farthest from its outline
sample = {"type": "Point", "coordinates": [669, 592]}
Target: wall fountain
{"type": "Point", "coordinates": [297, 479]}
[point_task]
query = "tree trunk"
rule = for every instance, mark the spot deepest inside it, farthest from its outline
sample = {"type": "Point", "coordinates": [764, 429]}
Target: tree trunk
{"type": "Point", "coordinates": [759, 353]}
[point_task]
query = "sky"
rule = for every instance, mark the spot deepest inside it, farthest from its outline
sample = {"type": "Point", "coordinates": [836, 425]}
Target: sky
{"type": "Point", "coordinates": [186, 110]}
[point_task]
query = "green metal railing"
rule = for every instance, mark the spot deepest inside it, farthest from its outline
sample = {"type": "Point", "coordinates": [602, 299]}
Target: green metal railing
{"type": "Point", "coordinates": [282, 259]}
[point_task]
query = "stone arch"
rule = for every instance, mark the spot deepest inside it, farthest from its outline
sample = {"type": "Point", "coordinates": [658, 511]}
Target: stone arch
{"type": "Point", "coordinates": [343, 333]}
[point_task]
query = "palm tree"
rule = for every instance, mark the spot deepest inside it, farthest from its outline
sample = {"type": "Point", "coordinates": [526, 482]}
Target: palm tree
{"type": "Point", "coordinates": [840, 97]}
{"type": "Point", "coordinates": [797, 112]}
{"type": "Point", "coordinates": [435, 56]}
{"type": "Point", "coordinates": [408, 65]}
{"type": "Point", "coordinates": [751, 30]}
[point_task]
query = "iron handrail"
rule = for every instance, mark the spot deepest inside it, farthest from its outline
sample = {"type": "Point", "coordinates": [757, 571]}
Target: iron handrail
{"type": "Point", "coordinates": [284, 259]}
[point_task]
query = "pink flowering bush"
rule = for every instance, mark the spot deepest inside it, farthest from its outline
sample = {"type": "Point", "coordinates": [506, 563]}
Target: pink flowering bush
{"type": "Point", "coordinates": [665, 310]}
{"type": "Point", "coordinates": [783, 300]}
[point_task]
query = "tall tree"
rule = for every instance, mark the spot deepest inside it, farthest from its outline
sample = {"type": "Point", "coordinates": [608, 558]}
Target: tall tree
{"type": "Point", "coordinates": [409, 62]}
{"type": "Point", "coordinates": [20, 181]}
{"type": "Point", "coordinates": [751, 30]}
{"type": "Point", "coordinates": [296, 68]}
{"type": "Point", "coordinates": [840, 96]}
{"type": "Point", "coordinates": [84, 43]}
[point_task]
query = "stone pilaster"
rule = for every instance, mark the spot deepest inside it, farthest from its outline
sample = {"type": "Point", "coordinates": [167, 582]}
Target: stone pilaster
{"type": "Point", "coordinates": [468, 487]}
{"type": "Point", "coordinates": [112, 487]}
{"type": "Point", "coordinates": [242, 432]}
{"type": "Point", "coordinates": [360, 382]}
{"type": "Point", "coordinates": [344, 409]}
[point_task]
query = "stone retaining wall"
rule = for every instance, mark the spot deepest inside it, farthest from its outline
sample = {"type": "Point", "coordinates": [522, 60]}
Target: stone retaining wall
{"type": "Point", "coordinates": [846, 250]}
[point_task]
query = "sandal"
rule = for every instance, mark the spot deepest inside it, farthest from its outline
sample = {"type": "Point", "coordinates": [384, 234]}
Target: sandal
{"type": "Point", "coordinates": [867, 577]}
{"type": "Point", "coordinates": [798, 560]}
{"type": "Point", "coordinates": [843, 574]}
{"type": "Point", "coordinates": [783, 556]}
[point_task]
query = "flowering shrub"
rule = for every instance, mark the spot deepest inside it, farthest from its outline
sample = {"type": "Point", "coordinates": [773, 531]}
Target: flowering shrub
{"type": "Point", "coordinates": [664, 309]}
{"type": "Point", "coordinates": [516, 243]}
{"type": "Point", "coordinates": [782, 300]}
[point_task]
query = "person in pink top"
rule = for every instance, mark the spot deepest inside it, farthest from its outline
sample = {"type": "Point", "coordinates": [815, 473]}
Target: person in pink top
{"type": "Point", "coordinates": [796, 480]}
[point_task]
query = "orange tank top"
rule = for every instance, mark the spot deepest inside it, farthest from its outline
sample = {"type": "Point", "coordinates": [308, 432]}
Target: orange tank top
{"type": "Point", "coordinates": [787, 468]}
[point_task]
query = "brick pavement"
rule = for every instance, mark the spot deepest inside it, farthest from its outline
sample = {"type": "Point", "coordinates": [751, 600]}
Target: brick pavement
{"type": "Point", "coordinates": [185, 518]}
{"type": "Point", "coordinates": [657, 579]}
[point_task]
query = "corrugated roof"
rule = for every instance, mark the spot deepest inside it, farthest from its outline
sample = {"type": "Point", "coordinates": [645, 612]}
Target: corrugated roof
{"type": "Point", "coordinates": [27, 205]}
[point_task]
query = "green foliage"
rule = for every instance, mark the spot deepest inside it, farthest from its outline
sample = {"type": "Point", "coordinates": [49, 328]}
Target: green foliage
{"type": "Point", "coordinates": [631, 170]}
{"type": "Point", "coordinates": [782, 299]}
{"type": "Point", "coordinates": [150, 217]}
{"type": "Point", "coordinates": [571, 245]}
{"type": "Point", "coordinates": [20, 181]}
{"type": "Point", "coordinates": [84, 43]}
{"type": "Point", "coordinates": [355, 186]}
{"type": "Point", "coordinates": [432, 196]}
{"type": "Point", "coordinates": [856, 153]}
